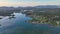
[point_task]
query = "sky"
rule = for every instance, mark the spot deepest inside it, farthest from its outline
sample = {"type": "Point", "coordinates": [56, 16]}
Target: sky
{"type": "Point", "coordinates": [28, 2]}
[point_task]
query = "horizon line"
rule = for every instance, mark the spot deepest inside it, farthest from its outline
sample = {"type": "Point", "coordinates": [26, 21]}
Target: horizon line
{"type": "Point", "coordinates": [29, 6]}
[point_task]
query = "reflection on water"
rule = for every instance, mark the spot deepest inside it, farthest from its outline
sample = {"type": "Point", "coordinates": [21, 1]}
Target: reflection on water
{"type": "Point", "coordinates": [15, 23]}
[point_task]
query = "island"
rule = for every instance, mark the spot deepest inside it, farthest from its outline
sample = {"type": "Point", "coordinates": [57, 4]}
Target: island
{"type": "Point", "coordinates": [50, 16]}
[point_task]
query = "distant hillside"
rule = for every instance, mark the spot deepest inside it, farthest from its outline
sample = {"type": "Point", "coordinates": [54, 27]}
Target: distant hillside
{"type": "Point", "coordinates": [30, 7]}
{"type": "Point", "coordinates": [48, 6]}
{"type": "Point", "coordinates": [40, 7]}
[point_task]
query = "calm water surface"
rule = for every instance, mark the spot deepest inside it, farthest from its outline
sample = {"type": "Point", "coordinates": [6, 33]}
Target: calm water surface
{"type": "Point", "coordinates": [17, 24]}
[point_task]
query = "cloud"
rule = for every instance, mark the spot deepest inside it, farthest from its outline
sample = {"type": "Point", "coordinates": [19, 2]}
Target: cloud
{"type": "Point", "coordinates": [27, 3]}
{"type": "Point", "coordinates": [29, 0]}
